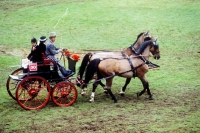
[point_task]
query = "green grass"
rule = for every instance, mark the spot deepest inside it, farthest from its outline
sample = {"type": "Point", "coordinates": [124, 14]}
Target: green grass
{"type": "Point", "coordinates": [106, 24]}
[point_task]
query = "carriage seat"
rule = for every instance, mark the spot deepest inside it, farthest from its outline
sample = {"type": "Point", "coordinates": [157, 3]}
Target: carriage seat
{"type": "Point", "coordinates": [45, 65]}
{"type": "Point", "coordinates": [47, 61]}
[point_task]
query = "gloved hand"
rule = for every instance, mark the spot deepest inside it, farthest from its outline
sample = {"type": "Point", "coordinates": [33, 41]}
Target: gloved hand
{"type": "Point", "coordinates": [60, 50]}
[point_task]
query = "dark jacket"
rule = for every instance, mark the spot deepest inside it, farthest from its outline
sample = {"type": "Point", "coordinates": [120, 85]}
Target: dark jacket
{"type": "Point", "coordinates": [35, 55]}
{"type": "Point", "coordinates": [42, 48]}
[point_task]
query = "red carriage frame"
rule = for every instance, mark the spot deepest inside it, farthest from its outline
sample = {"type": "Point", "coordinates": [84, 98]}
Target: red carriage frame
{"type": "Point", "coordinates": [33, 89]}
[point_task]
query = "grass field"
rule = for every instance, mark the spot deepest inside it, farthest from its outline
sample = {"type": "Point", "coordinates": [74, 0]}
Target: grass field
{"type": "Point", "coordinates": [111, 25]}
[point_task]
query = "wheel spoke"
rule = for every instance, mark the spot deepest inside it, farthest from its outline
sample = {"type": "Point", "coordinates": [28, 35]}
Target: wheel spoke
{"type": "Point", "coordinates": [30, 103]}
{"type": "Point", "coordinates": [68, 99]}
{"type": "Point", "coordinates": [38, 100]}
{"type": "Point", "coordinates": [37, 96]}
{"type": "Point", "coordinates": [26, 101]}
{"type": "Point", "coordinates": [67, 94]}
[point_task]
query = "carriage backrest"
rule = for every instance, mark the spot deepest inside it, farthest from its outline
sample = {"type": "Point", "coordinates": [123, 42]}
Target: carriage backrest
{"type": "Point", "coordinates": [47, 61]}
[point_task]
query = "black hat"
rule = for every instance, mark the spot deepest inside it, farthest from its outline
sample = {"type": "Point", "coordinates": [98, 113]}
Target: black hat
{"type": "Point", "coordinates": [43, 38]}
{"type": "Point", "coordinates": [33, 40]}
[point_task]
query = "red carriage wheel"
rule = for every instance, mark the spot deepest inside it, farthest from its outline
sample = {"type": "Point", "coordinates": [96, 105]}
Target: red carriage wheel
{"type": "Point", "coordinates": [33, 92]}
{"type": "Point", "coordinates": [11, 84]}
{"type": "Point", "coordinates": [64, 94]}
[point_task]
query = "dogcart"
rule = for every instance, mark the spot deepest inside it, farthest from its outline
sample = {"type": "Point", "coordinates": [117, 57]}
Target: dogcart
{"type": "Point", "coordinates": [34, 84]}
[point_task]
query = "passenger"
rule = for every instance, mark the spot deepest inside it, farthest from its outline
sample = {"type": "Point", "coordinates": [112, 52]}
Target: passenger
{"type": "Point", "coordinates": [35, 55]}
{"type": "Point", "coordinates": [42, 45]}
{"type": "Point", "coordinates": [52, 50]}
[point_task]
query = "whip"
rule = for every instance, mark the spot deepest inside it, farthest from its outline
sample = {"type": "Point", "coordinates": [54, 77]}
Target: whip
{"type": "Point", "coordinates": [66, 12]}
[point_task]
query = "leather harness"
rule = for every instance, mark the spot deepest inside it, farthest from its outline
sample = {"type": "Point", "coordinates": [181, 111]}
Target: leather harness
{"type": "Point", "coordinates": [133, 69]}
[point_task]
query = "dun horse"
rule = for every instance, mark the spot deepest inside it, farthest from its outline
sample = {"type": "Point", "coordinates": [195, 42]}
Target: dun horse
{"type": "Point", "coordinates": [128, 51]}
{"type": "Point", "coordinates": [127, 67]}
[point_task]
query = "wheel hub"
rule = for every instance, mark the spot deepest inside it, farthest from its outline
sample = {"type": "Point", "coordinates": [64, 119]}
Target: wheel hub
{"type": "Point", "coordinates": [64, 94]}
{"type": "Point", "coordinates": [33, 92]}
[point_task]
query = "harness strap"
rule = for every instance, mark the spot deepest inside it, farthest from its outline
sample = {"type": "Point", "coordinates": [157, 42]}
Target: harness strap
{"type": "Point", "coordinates": [131, 64]}
{"type": "Point", "coordinates": [132, 49]}
{"type": "Point", "coordinates": [143, 59]}
{"type": "Point", "coordinates": [118, 73]}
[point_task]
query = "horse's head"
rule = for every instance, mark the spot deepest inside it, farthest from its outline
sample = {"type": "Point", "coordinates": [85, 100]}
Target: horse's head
{"type": "Point", "coordinates": [142, 37]}
{"type": "Point", "coordinates": [155, 50]}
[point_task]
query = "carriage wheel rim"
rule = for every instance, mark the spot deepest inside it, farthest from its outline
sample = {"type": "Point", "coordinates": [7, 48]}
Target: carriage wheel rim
{"type": "Point", "coordinates": [30, 96]}
{"type": "Point", "coordinates": [64, 94]}
{"type": "Point", "coordinates": [11, 90]}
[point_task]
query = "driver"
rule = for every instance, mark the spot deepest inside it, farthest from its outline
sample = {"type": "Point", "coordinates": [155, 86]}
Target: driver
{"type": "Point", "coordinates": [52, 50]}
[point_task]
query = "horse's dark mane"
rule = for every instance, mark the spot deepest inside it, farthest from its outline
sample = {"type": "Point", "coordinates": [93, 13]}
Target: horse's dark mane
{"type": "Point", "coordinates": [84, 64]}
{"type": "Point", "coordinates": [138, 37]}
{"type": "Point", "coordinates": [147, 39]}
{"type": "Point", "coordinates": [143, 46]}
{"type": "Point", "coordinates": [157, 46]}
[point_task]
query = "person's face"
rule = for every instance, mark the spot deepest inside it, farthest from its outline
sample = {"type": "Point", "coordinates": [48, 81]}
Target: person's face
{"type": "Point", "coordinates": [53, 39]}
{"type": "Point", "coordinates": [33, 44]}
{"type": "Point", "coordinates": [44, 42]}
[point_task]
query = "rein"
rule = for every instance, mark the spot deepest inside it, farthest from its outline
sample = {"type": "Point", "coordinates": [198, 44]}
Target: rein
{"type": "Point", "coordinates": [126, 57]}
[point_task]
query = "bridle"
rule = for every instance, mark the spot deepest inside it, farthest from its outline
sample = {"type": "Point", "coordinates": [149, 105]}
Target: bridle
{"type": "Point", "coordinates": [146, 38]}
{"type": "Point", "coordinates": [155, 45]}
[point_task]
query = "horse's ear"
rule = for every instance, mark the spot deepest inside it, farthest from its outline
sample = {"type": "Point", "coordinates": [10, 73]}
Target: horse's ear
{"type": "Point", "coordinates": [146, 33]}
{"type": "Point", "coordinates": [156, 40]}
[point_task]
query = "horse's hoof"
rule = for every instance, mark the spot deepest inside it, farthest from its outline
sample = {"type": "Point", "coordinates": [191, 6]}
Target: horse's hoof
{"type": "Point", "coordinates": [122, 94]}
{"type": "Point", "coordinates": [115, 101]}
{"type": "Point", "coordinates": [83, 93]}
{"type": "Point", "coordinates": [138, 95]}
{"type": "Point", "coordinates": [151, 97]}
{"type": "Point", "coordinates": [91, 100]}
{"type": "Point", "coordinates": [105, 91]}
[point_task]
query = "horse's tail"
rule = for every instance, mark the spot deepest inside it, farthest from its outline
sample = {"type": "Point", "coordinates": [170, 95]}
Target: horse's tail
{"type": "Point", "coordinates": [91, 70]}
{"type": "Point", "coordinates": [84, 64]}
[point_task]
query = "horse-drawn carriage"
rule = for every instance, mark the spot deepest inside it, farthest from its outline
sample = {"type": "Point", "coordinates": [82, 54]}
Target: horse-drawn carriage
{"type": "Point", "coordinates": [33, 84]}
{"type": "Point", "coordinates": [38, 82]}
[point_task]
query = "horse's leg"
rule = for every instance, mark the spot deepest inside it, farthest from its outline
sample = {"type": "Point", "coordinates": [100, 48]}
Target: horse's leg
{"type": "Point", "coordinates": [146, 87]}
{"type": "Point", "coordinates": [99, 76]}
{"type": "Point", "coordinates": [90, 71]}
{"type": "Point", "coordinates": [84, 90]}
{"type": "Point", "coordinates": [149, 93]}
{"type": "Point", "coordinates": [102, 85]}
{"type": "Point", "coordinates": [108, 87]}
{"type": "Point", "coordinates": [124, 87]}
{"type": "Point", "coordinates": [93, 92]}
{"type": "Point", "coordinates": [82, 69]}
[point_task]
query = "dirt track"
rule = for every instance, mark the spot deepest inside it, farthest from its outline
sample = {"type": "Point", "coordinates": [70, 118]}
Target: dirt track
{"type": "Point", "coordinates": [136, 116]}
